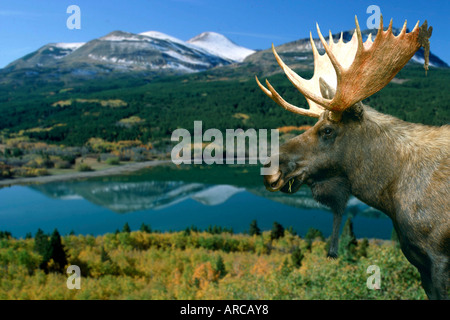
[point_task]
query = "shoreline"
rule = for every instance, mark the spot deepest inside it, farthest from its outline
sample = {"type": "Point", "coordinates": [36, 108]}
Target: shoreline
{"type": "Point", "coordinates": [120, 169]}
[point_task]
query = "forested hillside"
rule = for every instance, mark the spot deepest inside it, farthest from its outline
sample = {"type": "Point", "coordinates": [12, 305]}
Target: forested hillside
{"type": "Point", "coordinates": [130, 109]}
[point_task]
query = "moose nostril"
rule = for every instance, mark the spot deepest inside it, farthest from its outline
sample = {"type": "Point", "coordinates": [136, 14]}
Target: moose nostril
{"type": "Point", "coordinates": [275, 180]}
{"type": "Point", "coordinates": [272, 181]}
{"type": "Point", "coordinates": [277, 177]}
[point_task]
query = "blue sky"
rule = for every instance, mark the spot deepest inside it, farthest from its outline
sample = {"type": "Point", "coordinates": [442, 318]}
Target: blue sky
{"type": "Point", "coordinates": [26, 25]}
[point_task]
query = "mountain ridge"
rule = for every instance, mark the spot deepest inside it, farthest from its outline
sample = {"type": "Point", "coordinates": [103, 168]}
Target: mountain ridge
{"type": "Point", "coordinates": [122, 51]}
{"type": "Point", "coordinates": [298, 54]}
{"type": "Point", "coordinates": [221, 46]}
{"type": "Point", "coordinates": [154, 51]}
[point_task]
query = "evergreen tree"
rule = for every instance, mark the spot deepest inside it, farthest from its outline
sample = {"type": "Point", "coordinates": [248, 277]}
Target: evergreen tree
{"type": "Point", "coordinates": [41, 243]}
{"type": "Point", "coordinates": [254, 229]}
{"type": "Point", "coordinates": [57, 252]}
{"type": "Point", "coordinates": [297, 257]}
{"type": "Point", "coordinates": [104, 256]}
{"type": "Point", "coordinates": [187, 231]}
{"type": "Point", "coordinates": [286, 268]}
{"type": "Point", "coordinates": [347, 242]}
{"type": "Point", "coordinates": [308, 244]}
{"type": "Point", "coordinates": [220, 267]}
{"type": "Point", "coordinates": [314, 233]}
{"type": "Point", "coordinates": [145, 228]}
{"type": "Point", "coordinates": [291, 230]}
{"type": "Point", "coordinates": [5, 235]}
{"type": "Point", "coordinates": [126, 228]}
{"type": "Point", "coordinates": [28, 235]}
{"type": "Point", "coordinates": [227, 230]}
{"type": "Point", "coordinates": [277, 231]}
{"type": "Point", "coordinates": [362, 251]}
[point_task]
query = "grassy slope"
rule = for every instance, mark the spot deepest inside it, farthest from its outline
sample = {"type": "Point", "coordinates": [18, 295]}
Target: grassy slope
{"type": "Point", "coordinates": [178, 266]}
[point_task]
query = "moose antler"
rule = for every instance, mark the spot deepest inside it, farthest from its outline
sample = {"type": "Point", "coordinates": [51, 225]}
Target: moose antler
{"type": "Point", "coordinates": [356, 69]}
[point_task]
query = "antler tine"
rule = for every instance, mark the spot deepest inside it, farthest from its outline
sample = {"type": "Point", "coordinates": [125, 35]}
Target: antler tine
{"type": "Point", "coordinates": [373, 66]}
{"type": "Point", "coordinates": [302, 85]}
{"type": "Point", "coordinates": [356, 69]}
{"type": "Point", "coordinates": [275, 96]}
{"type": "Point", "coordinates": [389, 30]}
{"type": "Point", "coordinates": [417, 25]}
{"type": "Point", "coordinates": [359, 35]}
{"type": "Point", "coordinates": [337, 66]}
{"type": "Point", "coordinates": [380, 30]}
{"type": "Point", "coordinates": [403, 32]}
{"type": "Point", "coordinates": [313, 47]}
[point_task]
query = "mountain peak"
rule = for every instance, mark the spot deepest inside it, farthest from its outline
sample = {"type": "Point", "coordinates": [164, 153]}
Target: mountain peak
{"type": "Point", "coordinates": [69, 45]}
{"type": "Point", "coordinates": [161, 36]}
{"type": "Point", "coordinates": [210, 36]}
{"type": "Point", "coordinates": [221, 46]}
{"type": "Point", "coordinates": [120, 36]}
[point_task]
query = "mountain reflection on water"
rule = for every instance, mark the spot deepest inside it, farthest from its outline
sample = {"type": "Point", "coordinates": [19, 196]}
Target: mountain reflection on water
{"type": "Point", "coordinates": [125, 197]}
{"type": "Point", "coordinates": [169, 198]}
{"type": "Point", "coordinates": [131, 196]}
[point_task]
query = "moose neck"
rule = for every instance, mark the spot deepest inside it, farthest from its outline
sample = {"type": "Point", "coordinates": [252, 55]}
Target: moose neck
{"type": "Point", "coordinates": [386, 151]}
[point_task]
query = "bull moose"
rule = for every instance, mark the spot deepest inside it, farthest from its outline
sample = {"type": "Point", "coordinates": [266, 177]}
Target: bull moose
{"type": "Point", "coordinates": [399, 168]}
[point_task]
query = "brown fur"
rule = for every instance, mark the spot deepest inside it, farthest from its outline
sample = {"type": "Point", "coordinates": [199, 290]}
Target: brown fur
{"type": "Point", "coordinates": [400, 168]}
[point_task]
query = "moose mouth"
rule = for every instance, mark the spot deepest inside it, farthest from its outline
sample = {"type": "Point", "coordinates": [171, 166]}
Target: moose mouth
{"type": "Point", "coordinates": [292, 185]}
{"type": "Point", "coordinates": [278, 183]}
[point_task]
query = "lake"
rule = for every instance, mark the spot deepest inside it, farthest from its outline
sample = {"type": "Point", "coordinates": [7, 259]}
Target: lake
{"type": "Point", "coordinates": [170, 198]}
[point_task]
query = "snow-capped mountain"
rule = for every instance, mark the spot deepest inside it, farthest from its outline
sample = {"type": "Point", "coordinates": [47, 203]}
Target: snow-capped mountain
{"type": "Point", "coordinates": [70, 46]}
{"type": "Point", "coordinates": [162, 36]}
{"type": "Point", "coordinates": [122, 51]}
{"type": "Point", "coordinates": [157, 53]}
{"type": "Point", "coordinates": [221, 46]}
{"type": "Point", "coordinates": [125, 51]}
{"type": "Point", "coordinates": [46, 55]}
{"type": "Point", "coordinates": [148, 51]}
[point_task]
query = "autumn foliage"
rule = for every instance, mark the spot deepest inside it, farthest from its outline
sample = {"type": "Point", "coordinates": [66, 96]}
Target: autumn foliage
{"type": "Point", "coordinates": [201, 265]}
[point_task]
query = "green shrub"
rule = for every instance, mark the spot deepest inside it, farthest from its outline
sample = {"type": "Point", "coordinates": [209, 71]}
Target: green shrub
{"type": "Point", "coordinates": [314, 233]}
{"type": "Point", "coordinates": [82, 167]}
{"type": "Point", "coordinates": [297, 257]}
{"type": "Point", "coordinates": [62, 164]}
{"type": "Point", "coordinates": [113, 161]}
{"type": "Point", "coordinates": [347, 243]}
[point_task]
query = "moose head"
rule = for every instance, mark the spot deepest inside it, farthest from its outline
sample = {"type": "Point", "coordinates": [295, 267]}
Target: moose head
{"type": "Point", "coordinates": [394, 166]}
{"type": "Point", "coordinates": [343, 77]}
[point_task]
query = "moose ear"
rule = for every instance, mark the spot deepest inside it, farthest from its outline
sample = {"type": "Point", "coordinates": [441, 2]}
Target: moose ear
{"type": "Point", "coordinates": [326, 90]}
{"type": "Point", "coordinates": [357, 109]}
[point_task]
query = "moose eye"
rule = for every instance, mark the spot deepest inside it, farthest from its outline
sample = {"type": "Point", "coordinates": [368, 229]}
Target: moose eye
{"type": "Point", "coordinates": [327, 131]}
